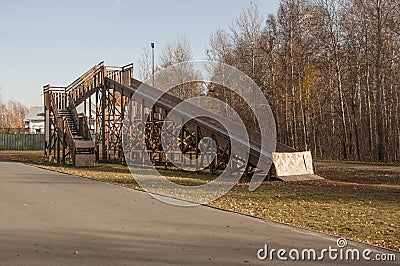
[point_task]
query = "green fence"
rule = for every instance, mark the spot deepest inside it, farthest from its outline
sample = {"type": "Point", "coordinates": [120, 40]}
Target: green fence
{"type": "Point", "coordinates": [22, 142]}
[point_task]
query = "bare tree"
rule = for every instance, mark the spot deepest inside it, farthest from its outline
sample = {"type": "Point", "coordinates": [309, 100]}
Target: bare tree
{"type": "Point", "coordinates": [173, 54]}
{"type": "Point", "coordinates": [144, 69]}
{"type": "Point", "coordinates": [246, 34]}
{"type": "Point", "coordinates": [12, 115]}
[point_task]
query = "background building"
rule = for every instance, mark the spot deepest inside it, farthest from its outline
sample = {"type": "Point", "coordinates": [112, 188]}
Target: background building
{"type": "Point", "coordinates": [34, 120]}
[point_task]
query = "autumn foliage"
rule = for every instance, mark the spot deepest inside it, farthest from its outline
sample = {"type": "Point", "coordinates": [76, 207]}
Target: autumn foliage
{"type": "Point", "coordinates": [12, 115]}
{"type": "Point", "coordinates": [329, 70]}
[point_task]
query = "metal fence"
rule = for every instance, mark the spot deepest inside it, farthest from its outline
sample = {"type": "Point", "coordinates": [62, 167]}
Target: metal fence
{"type": "Point", "coordinates": [22, 142]}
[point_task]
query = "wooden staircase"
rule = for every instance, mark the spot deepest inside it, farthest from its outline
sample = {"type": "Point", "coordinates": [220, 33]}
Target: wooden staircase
{"type": "Point", "coordinates": [70, 129]}
{"type": "Point", "coordinates": [67, 135]}
{"type": "Point", "coordinates": [82, 146]}
{"type": "Point", "coordinates": [66, 114]}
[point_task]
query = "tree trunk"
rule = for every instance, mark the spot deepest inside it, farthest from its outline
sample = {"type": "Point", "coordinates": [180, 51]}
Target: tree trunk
{"type": "Point", "coordinates": [378, 77]}
{"type": "Point", "coordinates": [341, 102]}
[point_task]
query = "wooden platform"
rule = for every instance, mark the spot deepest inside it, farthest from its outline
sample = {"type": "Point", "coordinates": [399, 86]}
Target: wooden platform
{"type": "Point", "coordinates": [291, 178]}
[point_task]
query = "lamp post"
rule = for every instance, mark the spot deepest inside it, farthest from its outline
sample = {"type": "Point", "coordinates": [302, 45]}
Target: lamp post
{"type": "Point", "coordinates": [152, 59]}
{"type": "Point", "coordinates": [152, 78]}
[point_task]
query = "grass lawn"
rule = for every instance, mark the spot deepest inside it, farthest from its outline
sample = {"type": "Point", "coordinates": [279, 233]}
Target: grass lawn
{"type": "Point", "coordinates": [357, 201]}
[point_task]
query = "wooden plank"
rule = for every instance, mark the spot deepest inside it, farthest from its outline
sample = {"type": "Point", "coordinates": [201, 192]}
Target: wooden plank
{"type": "Point", "coordinates": [294, 178]}
{"type": "Point", "coordinates": [84, 144]}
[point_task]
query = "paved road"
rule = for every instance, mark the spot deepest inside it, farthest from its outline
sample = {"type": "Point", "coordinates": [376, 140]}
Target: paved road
{"type": "Point", "coordinates": [48, 218]}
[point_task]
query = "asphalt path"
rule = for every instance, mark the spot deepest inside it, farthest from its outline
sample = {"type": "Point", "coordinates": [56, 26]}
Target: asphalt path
{"type": "Point", "coordinates": [49, 218]}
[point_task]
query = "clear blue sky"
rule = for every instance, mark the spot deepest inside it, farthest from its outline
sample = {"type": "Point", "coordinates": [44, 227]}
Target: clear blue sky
{"type": "Point", "coordinates": [55, 42]}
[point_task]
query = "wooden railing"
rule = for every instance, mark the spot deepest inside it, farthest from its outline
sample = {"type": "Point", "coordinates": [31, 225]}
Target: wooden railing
{"type": "Point", "coordinates": [62, 125]}
{"type": "Point", "coordinates": [69, 137]}
{"type": "Point", "coordinates": [93, 79]}
{"type": "Point", "coordinates": [86, 84]}
{"type": "Point", "coordinates": [58, 96]}
{"type": "Point", "coordinates": [88, 76]}
{"type": "Point", "coordinates": [121, 75]}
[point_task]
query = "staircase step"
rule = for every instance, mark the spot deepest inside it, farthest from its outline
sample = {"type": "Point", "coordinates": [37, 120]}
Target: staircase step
{"type": "Point", "coordinates": [73, 128]}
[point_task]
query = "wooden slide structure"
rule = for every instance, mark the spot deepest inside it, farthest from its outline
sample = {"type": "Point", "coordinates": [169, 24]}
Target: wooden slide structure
{"type": "Point", "coordinates": [95, 133]}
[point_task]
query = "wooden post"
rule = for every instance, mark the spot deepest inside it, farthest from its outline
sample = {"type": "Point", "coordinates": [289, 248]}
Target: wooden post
{"type": "Point", "coordinates": [103, 117]}
{"type": "Point", "coordinates": [63, 141]}
{"type": "Point", "coordinates": [197, 147]}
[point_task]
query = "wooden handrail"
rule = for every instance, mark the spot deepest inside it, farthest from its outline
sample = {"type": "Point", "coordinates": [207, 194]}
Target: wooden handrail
{"type": "Point", "coordinates": [69, 136]}
{"type": "Point", "coordinates": [88, 74]}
